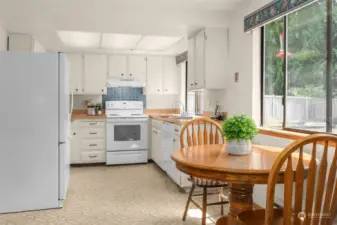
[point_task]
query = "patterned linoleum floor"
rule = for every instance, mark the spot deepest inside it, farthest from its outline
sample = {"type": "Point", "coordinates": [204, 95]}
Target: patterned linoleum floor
{"type": "Point", "coordinates": [130, 195]}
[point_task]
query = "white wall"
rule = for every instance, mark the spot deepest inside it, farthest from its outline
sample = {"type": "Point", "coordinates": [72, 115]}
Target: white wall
{"type": "Point", "coordinates": [3, 39]}
{"type": "Point", "coordinates": [152, 101]}
{"type": "Point", "coordinates": [38, 47]}
{"type": "Point", "coordinates": [161, 101]}
{"type": "Point", "coordinates": [79, 100]}
{"type": "Point", "coordinates": [244, 96]}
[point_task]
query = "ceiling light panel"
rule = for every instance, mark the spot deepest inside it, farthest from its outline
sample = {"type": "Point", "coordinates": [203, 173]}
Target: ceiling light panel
{"type": "Point", "coordinates": [157, 43]}
{"type": "Point", "coordinates": [120, 41]}
{"type": "Point", "coordinates": [80, 39]}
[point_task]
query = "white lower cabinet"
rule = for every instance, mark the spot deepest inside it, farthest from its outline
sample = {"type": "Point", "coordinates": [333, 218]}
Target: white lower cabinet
{"type": "Point", "coordinates": [165, 141]}
{"type": "Point", "coordinates": [88, 142]}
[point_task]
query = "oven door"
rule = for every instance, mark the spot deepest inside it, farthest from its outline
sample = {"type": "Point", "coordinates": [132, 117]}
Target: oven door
{"type": "Point", "coordinates": [127, 134]}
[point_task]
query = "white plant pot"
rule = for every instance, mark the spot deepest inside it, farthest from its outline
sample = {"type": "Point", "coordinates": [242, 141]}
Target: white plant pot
{"type": "Point", "coordinates": [239, 147]}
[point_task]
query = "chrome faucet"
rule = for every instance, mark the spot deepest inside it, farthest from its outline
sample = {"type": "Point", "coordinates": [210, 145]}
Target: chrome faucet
{"type": "Point", "coordinates": [183, 113]}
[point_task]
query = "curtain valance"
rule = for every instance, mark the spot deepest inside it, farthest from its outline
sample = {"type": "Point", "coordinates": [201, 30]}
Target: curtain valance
{"type": "Point", "coordinates": [273, 11]}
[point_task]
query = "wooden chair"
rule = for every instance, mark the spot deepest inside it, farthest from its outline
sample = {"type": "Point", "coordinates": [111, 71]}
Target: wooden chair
{"type": "Point", "coordinates": [203, 131]}
{"type": "Point", "coordinates": [320, 203]}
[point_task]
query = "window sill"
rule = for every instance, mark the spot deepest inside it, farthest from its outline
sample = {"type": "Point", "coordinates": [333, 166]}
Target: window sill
{"type": "Point", "coordinates": [281, 133]}
{"type": "Point", "coordinates": [290, 135]}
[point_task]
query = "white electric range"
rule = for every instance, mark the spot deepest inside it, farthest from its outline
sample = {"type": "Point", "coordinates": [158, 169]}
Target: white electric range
{"type": "Point", "coordinates": [127, 132]}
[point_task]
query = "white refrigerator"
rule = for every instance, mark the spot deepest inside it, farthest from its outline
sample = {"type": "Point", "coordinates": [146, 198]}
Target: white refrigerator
{"type": "Point", "coordinates": [34, 131]}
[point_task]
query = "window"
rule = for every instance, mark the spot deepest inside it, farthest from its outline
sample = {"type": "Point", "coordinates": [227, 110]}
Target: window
{"type": "Point", "coordinates": [273, 74]}
{"type": "Point", "coordinates": [195, 102]}
{"type": "Point", "coordinates": [296, 76]}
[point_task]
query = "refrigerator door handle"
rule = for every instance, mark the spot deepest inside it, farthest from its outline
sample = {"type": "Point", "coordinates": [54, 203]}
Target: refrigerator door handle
{"type": "Point", "coordinates": [62, 143]}
{"type": "Point", "coordinates": [72, 103]}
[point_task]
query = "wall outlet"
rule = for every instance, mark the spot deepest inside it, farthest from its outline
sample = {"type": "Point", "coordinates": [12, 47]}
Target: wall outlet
{"type": "Point", "coordinates": [236, 77]}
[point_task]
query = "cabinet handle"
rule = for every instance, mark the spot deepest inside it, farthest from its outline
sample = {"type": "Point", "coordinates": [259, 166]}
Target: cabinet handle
{"type": "Point", "coordinates": [102, 90]}
{"type": "Point", "coordinates": [191, 84]}
{"type": "Point", "coordinates": [92, 156]}
{"type": "Point", "coordinates": [93, 145]}
{"type": "Point", "coordinates": [174, 140]}
{"type": "Point", "coordinates": [122, 74]}
{"type": "Point", "coordinates": [195, 83]}
{"type": "Point", "coordinates": [176, 130]}
{"type": "Point", "coordinates": [74, 133]}
{"type": "Point", "coordinates": [91, 124]}
{"type": "Point", "coordinates": [165, 89]}
{"type": "Point", "coordinates": [158, 90]}
{"type": "Point", "coordinates": [76, 89]}
{"type": "Point", "coordinates": [130, 74]}
{"type": "Point", "coordinates": [93, 133]}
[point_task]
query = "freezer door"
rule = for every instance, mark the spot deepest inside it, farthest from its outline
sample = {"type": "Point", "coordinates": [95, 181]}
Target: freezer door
{"type": "Point", "coordinates": [64, 97]}
{"type": "Point", "coordinates": [64, 126]}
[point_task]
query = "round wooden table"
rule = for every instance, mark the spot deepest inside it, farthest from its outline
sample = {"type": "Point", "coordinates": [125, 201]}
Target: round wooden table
{"type": "Point", "coordinates": [240, 172]}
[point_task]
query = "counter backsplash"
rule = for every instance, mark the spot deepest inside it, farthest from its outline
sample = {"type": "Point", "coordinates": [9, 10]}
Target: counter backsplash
{"type": "Point", "coordinates": [124, 94]}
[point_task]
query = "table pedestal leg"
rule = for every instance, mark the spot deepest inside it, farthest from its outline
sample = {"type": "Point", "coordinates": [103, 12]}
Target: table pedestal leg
{"type": "Point", "coordinates": [240, 200]}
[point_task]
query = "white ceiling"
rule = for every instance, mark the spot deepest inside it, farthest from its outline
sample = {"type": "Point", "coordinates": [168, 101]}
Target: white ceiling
{"type": "Point", "coordinates": [43, 18]}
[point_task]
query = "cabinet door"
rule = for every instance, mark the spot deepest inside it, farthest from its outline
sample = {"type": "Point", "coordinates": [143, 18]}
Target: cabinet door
{"type": "Point", "coordinates": [173, 171]}
{"type": "Point", "coordinates": [137, 66]}
{"type": "Point", "coordinates": [191, 64]}
{"type": "Point", "coordinates": [200, 60]}
{"type": "Point", "coordinates": [75, 155]}
{"type": "Point", "coordinates": [153, 145]}
{"type": "Point", "coordinates": [154, 75]}
{"type": "Point", "coordinates": [170, 76]}
{"type": "Point", "coordinates": [20, 43]}
{"type": "Point", "coordinates": [76, 73]}
{"type": "Point", "coordinates": [95, 74]}
{"type": "Point", "coordinates": [117, 66]}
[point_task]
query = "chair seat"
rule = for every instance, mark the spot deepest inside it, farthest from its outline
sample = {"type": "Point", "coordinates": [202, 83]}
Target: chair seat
{"type": "Point", "coordinates": [201, 182]}
{"type": "Point", "coordinates": [257, 217]}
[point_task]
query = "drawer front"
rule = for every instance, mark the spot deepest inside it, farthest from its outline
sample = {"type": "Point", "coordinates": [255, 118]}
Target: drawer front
{"type": "Point", "coordinates": [92, 144]}
{"type": "Point", "coordinates": [92, 124]}
{"type": "Point", "coordinates": [126, 157]}
{"type": "Point", "coordinates": [93, 157]}
{"type": "Point", "coordinates": [177, 130]}
{"type": "Point", "coordinates": [93, 133]}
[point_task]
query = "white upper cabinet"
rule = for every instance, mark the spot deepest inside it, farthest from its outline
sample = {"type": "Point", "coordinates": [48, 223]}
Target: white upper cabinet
{"type": "Point", "coordinates": [95, 74]}
{"type": "Point", "coordinates": [200, 60]}
{"type": "Point", "coordinates": [122, 66]}
{"type": "Point", "coordinates": [76, 73]}
{"type": "Point", "coordinates": [191, 64]}
{"type": "Point", "coordinates": [137, 66]}
{"type": "Point", "coordinates": [208, 59]}
{"type": "Point", "coordinates": [171, 76]}
{"type": "Point", "coordinates": [117, 66]}
{"type": "Point", "coordinates": [154, 75]}
{"type": "Point", "coordinates": [24, 43]}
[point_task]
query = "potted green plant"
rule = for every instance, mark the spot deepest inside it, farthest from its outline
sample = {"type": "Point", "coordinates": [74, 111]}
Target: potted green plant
{"type": "Point", "coordinates": [99, 109]}
{"type": "Point", "coordinates": [239, 132]}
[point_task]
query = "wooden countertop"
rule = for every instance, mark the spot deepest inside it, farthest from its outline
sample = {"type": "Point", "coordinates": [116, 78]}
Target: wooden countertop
{"type": "Point", "coordinates": [166, 118]}
{"type": "Point", "coordinates": [82, 115]}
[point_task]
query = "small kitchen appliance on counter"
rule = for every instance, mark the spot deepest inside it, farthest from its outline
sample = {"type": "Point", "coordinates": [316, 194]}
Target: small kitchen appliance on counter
{"type": "Point", "coordinates": [217, 114]}
{"type": "Point", "coordinates": [127, 132]}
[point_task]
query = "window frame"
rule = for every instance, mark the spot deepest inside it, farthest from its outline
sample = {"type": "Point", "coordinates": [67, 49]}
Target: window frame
{"type": "Point", "coordinates": [329, 63]}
